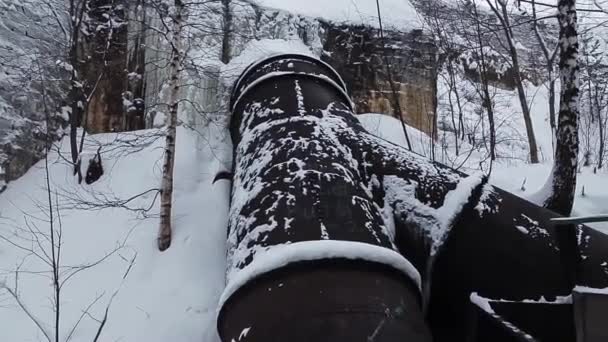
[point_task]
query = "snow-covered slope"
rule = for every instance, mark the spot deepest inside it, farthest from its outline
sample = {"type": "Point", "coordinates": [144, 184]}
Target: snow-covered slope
{"type": "Point", "coordinates": [390, 129]}
{"type": "Point", "coordinates": [165, 296]}
{"type": "Point", "coordinates": [170, 296]}
{"type": "Point", "coordinates": [519, 178]}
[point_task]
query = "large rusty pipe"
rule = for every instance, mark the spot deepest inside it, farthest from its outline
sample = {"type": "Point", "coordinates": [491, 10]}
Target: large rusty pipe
{"type": "Point", "coordinates": [336, 235]}
{"type": "Point", "coordinates": [310, 256]}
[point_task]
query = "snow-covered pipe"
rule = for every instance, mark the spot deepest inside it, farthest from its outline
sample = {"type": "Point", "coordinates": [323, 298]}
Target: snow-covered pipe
{"type": "Point", "coordinates": [311, 256]}
{"type": "Point", "coordinates": [336, 234]}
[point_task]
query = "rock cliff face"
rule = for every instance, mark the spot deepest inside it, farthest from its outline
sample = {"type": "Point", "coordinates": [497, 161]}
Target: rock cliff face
{"type": "Point", "coordinates": [29, 46]}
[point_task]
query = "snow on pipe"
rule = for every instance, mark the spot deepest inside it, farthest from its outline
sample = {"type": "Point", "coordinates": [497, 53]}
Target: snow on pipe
{"type": "Point", "coordinates": [310, 257]}
{"type": "Point", "coordinates": [335, 234]}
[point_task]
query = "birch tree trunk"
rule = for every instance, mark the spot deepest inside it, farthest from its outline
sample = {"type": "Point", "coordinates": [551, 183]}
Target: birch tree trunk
{"type": "Point", "coordinates": [164, 234]}
{"type": "Point", "coordinates": [562, 182]}
{"type": "Point", "coordinates": [75, 95]}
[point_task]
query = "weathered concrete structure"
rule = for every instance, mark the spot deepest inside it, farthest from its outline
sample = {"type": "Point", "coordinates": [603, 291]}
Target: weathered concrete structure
{"type": "Point", "coordinates": [133, 75]}
{"type": "Point", "coordinates": [358, 53]}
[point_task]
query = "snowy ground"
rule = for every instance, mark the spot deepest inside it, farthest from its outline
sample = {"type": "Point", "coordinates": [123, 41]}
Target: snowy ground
{"type": "Point", "coordinates": [507, 174]}
{"type": "Point", "coordinates": [165, 297]}
{"type": "Point", "coordinates": [173, 295]}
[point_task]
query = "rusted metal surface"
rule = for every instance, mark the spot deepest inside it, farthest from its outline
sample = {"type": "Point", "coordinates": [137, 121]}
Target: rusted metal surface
{"type": "Point", "coordinates": [296, 180]}
{"type": "Point", "coordinates": [590, 311]}
{"type": "Point", "coordinates": [306, 171]}
{"type": "Point", "coordinates": [338, 300]}
{"type": "Point", "coordinates": [511, 251]}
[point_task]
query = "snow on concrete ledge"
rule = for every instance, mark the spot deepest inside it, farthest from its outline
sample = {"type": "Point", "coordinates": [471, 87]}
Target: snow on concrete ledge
{"type": "Point", "coordinates": [278, 256]}
{"type": "Point", "coordinates": [585, 289]}
{"type": "Point", "coordinates": [484, 303]}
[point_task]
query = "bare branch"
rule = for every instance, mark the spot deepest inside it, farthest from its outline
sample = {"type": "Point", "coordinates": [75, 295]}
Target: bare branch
{"type": "Point", "coordinates": [27, 311]}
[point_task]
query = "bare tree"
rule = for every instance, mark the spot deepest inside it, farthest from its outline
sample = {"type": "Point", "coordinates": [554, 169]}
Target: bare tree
{"type": "Point", "coordinates": [549, 57]}
{"type": "Point", "coordinates": [595, 92]}
{"type": "Point", "coordinates": [76, 96]}
{"type": "Point", "coordinates": [47, 247]}
{"type": "Point", "coordinates": [164, 235]}
{"type": "Point", "coordinates": [226, 31]}
{"type": "Point", "coordinates": [486, 97]}
{"type": "Point", "coordinates": [602, 125]}
{"type": "Point", "coordinates": [500, 9]}
{"type": "Point", "coordinates": [450, 50]}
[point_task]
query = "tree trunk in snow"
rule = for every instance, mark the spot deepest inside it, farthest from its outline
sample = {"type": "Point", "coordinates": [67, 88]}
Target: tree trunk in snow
{"type": "Point", "coordinates": [549, 62]}
{"type": "Point", "coordinates": [76, 94]}
{"type": "Point", "coordinates": [602, 148]}
{"type": "Point", "coordinates": [76, 103]}
{"type": "Point", "coordinates": [485, 93]}
{"type": "Point", "coordinates": [226, 31]}
{"type": "Point", "coordinates": [552, 105]}
{"type": "Point", "coordinates": [601, 128]}
{"type": "Point", "coordinates": [164, 235]}
{"type": "Point", "coordinates": [562, 182]}
{"type": "Point", "coordinates": [525, 109]}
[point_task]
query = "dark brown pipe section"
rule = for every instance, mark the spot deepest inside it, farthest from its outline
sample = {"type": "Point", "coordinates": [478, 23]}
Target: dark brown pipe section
{"type": "Point", "coordinates": [296, 181]}
{"type": "Point", "coordinates": [334, 300]}
{"type": "Point", "coordinates": [308, 178]}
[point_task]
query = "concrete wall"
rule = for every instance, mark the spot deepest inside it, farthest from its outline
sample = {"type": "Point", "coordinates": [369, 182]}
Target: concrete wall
{"type": "Point", "coordinates": [358, 53]}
